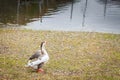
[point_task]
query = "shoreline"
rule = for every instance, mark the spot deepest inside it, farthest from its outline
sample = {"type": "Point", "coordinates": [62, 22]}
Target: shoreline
{"type": "Point", "coordinates": [23, 28]}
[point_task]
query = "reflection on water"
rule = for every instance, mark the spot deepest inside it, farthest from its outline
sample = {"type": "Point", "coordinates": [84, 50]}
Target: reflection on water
{"type": "Point", "coordinates": [68, 15]}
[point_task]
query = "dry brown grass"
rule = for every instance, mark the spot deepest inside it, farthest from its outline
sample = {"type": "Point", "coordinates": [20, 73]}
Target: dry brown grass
{"type": "Point", "coordinates": [73, 55]}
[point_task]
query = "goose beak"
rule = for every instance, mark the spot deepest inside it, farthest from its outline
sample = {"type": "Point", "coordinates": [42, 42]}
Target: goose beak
{"type": "Point", "coordinates": [45, 42]}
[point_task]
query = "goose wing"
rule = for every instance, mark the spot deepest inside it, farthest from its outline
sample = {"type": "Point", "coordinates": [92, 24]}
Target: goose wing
{"type": "Point", "coordinates": [37, 54]}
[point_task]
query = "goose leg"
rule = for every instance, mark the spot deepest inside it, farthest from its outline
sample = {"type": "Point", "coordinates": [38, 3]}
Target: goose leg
{"type": "Point", "coordinates": [40, 67]}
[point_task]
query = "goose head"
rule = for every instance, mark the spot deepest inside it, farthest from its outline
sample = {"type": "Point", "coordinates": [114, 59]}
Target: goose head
{"type": "Point", "coordinates": [43, 44]}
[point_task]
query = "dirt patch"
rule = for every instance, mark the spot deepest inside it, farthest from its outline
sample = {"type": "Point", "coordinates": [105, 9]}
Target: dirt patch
{"type": "Point", "coordinates": [3, 49]}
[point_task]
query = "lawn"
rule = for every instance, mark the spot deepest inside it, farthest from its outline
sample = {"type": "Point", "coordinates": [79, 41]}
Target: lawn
{"type": "Point", "coordinates": [73, 55]}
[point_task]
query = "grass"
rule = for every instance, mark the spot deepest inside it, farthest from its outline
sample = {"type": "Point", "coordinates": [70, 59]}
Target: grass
{"type": "Point", "coordinates": [73, 55]}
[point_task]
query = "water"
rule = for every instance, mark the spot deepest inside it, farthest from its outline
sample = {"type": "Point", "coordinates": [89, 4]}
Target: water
{"type": "Point", "coordinates": [64, 15]}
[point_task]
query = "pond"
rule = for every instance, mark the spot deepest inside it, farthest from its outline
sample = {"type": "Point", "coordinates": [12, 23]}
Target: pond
{"type": "Point", "coordinates": [62, 15]}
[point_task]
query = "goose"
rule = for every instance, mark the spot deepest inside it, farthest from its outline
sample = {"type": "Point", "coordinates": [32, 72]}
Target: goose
{"type": "Point", "coordinates": [41, 57]}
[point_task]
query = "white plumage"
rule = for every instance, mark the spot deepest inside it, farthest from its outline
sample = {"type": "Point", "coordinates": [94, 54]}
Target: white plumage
{"type": "Point", "coordinates": [35, 64]}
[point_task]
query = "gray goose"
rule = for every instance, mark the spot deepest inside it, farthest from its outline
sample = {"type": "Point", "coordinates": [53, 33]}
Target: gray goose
{"type": "Point", "coordinates": [41, 56]}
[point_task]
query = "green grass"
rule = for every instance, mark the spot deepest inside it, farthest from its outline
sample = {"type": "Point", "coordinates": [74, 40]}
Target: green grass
{"type": "Point", "coordinates": [73, 55]}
